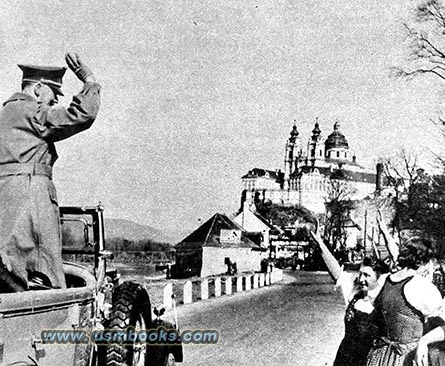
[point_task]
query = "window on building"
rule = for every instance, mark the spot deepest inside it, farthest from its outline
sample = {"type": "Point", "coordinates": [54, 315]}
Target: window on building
{"type": "Point", "coordinates": [338, 154]}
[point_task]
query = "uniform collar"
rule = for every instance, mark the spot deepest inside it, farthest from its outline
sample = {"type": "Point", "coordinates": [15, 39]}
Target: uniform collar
{"type": "Point", "coordinates": [20, 96]}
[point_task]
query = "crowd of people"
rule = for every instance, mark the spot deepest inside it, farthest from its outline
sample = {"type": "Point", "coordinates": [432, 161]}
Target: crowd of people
{"type": "Point", "coordinates": [394, 309]}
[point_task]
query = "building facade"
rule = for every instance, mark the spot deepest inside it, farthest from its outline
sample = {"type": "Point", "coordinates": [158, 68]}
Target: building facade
{"type": "Point", "coordinates": [213, 246]}
{"type": "Point", "coordinates": [314, 172]}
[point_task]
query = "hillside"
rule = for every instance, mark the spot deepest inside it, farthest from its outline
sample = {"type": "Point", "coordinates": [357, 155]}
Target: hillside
{"type": "Point", "coordinates": [126, 229]}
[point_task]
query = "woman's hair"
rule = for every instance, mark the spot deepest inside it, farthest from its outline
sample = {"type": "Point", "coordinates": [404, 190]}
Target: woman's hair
{"type": "Point", "coordinates": [415, 252]}
{"type": "Point", "coordinates": [379, 266]}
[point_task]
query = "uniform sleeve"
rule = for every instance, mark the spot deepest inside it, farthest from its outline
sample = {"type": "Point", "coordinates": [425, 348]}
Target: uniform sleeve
{"type": "Point", "coordinates": [55, 124]}
{"type": "Point", "coordinates": [423, 295]}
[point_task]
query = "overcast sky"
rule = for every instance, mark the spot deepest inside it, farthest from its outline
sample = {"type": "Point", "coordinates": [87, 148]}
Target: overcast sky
{"type": "Point", "coordinates": [196, 93]}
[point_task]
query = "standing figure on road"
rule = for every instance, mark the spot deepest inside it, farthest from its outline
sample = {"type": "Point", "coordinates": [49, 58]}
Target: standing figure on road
{"type": "Point", "coordinates": [403, 305]}
{"type": "Point", "coordinates": [360, 328]}
{"type": "Point", "coordinates": [30, 124]}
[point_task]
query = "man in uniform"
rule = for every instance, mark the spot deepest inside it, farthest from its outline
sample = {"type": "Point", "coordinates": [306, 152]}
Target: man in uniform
{"type": "Point", "coordinates": [30, 237]}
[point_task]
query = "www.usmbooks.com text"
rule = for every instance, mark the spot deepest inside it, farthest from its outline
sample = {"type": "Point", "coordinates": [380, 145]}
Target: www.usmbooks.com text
{"type": "Point", "coordinates": [159, 336]}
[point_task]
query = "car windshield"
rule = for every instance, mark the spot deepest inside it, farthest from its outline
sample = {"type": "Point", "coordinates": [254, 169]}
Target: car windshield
{"type": "Point", "coordinates": [77, 238]}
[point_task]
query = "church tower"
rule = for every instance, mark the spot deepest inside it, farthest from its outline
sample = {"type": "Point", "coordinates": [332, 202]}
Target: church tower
{"type": "Point", "coordinates": [316, 146]}
{"type": "Point", "coordinates": [292, 148]}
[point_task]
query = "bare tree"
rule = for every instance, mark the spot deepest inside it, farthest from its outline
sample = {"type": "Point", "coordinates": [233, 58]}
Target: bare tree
{"type": "Point", "coordinates": [426, 36]}
{"type": "Point", "coordinates": [427, 40]}
{"type": "Point", "coordinates": [401, 172]}
{"type": "Point", "coordinates": [420, 198]}
{"type": "Point", "coordinates": [423, 208]}
{"type": "Point", "coordinates": [338, 207]}
{"type": "Point", "coordinates": [339, 190]}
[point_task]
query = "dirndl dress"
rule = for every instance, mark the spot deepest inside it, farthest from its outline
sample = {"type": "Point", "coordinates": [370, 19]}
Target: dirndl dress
{"type": "Point", "coordinates": [400, 326]}
{"type": "Point", "coordinates": [360, 330]}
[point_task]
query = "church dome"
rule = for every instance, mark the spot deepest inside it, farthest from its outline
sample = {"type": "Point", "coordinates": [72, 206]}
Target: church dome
{"type": "Point", "coordinates": [336, 139]}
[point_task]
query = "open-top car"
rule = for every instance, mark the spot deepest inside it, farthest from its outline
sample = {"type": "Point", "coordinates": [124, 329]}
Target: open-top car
{"type": "Point", "coordinates": [89, 322]}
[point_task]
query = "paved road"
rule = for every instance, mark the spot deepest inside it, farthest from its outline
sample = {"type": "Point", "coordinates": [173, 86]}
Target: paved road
{"type": "Point", "coordinates": [289, 324]}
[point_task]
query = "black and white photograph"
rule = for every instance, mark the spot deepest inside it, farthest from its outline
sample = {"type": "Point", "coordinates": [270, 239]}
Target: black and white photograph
{"type": "Point", "coordinates": [223, 183]}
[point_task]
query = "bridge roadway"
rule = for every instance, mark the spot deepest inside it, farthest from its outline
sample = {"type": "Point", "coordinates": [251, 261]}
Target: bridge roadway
{"type": "Point", "coordinates": [296, 323]}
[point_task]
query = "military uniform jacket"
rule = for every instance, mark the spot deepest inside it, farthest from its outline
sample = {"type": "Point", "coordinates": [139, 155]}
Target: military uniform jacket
{"type": "Point", "coordinates": [30, 238]}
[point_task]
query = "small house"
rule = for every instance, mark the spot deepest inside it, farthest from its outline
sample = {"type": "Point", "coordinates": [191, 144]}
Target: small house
{"type": "Point", "coordinates": [218, 246]}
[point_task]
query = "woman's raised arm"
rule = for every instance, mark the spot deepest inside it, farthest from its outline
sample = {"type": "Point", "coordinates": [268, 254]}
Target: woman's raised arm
{"type": "Point", "coordinates": [331, 262]}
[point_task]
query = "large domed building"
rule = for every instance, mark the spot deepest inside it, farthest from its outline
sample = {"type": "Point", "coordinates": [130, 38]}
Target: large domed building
{"type": "Point", "coordinates": [313, 171]}
{"type": "Point", "coordinates": [336, 142]}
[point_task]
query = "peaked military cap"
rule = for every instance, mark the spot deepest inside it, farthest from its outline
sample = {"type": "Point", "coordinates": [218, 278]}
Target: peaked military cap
{"type": "Point", "coordinates": [49, 75]}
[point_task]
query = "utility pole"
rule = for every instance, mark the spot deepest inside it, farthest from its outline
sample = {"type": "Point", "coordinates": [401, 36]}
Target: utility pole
{"type": "Point", "coordinates": [366, 224]}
